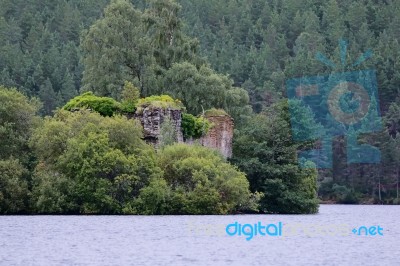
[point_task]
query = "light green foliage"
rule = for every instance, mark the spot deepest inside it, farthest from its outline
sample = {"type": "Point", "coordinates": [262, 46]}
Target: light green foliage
{"type": "Point", "coordinates": [155, 198]}
{"type": "Point", "coordinates": [264, 149]}
{"type": "Point", "coordinates": [130, 97]}
{"type": "Point", "coordinates": [167, 133]}
{"type": "Point", "coordinates": [101, 160]}
{"type": "Point", "coordinates": [194, 127]}
{"type": "Point", "coordinates": [49, 140]}
{"type": "Point", "coordinates": [162, 101]}
{"type": "Point", "coordinates": [92, 164]}
{"type": "Point", "coordinates": [103, 105]}
{"type": "Point", "coordinates": [198, 181]}
{"type": "Point", "coordinates": [215, 112]}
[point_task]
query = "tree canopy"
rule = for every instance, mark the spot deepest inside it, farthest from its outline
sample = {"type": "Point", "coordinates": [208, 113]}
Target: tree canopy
{"type": "Point", "coordinates": [235, 55]}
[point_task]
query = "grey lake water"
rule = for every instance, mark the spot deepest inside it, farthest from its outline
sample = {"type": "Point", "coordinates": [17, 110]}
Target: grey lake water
{"type": "Point", "coordinates": [338, 235]}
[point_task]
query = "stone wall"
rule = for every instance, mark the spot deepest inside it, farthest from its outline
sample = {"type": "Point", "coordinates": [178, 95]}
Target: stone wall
{"type": "Point", "coordinates": [152, 118]}
{"type": "Point", "coordinates": [219, 137]}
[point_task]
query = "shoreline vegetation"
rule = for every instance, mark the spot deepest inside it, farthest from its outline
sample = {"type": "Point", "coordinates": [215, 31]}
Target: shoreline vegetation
{"type": "Point", "coordinates": [88, 160]}
{"type": "Point", "coordinates": [73, 74]}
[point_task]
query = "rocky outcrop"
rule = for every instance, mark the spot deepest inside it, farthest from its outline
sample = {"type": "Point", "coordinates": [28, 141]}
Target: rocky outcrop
{"type": "Point", "coordinates": [220, 136]}
{"type": "Point", "coordinates": [152, 118]}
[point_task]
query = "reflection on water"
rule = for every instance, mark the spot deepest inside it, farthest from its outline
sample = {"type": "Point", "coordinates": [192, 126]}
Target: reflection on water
{"type": "Point", "coordinates": [322, 239]}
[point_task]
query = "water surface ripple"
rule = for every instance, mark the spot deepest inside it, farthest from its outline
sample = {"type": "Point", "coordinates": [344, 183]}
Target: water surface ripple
{"type": "Point", "coordinates": [199, 240]}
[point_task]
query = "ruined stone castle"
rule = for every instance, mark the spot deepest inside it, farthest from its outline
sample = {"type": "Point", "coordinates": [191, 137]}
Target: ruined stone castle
{"type": "Point", "coordinates": [219, 136]}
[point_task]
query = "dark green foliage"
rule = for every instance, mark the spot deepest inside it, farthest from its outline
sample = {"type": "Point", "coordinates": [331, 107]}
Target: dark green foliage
{"type": "Point", "coordinates": [262, 43]}
{"type": "Point", "coordinates": [331, 191]}
{"type": "Point", "coordinates": [48, 97]}
{"type": "Point", "coordinates": [392, 120]}
{"type": "Point", "coordinates": [199, 88]}
{"type": "Point", "coordinates": [258, 43]}
{"type": "Point", "coordinates": [17, 121]}
{"type": "Point", "coordinates": [112, 51]}
{"type": "Point", "coordinates": [39, 46]}
{"type": "Point", "coordinates": [103, 105]}
{"type": "Point", "coordinates": [149, 49]}
{"type": "Point", "coordinates": [52, 192]}
{"type": "Point", "coordinates": [14, 193]}
{"type": "Point", "coordinates": [264, 149]}
{"type": "Point", "coordinates": [53, 49]}
{"type": "Point", "coordinates": [194, 127]}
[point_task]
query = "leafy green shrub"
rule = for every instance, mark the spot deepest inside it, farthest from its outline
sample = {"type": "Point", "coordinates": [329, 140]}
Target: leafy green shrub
{"type": "Point", "coordinates": [325, 190]}
{"type": "Point", "coordinates": [196, 180]}
{"type": "Point", "coordinates": [103, 105]}
{"type": "Point", "coordinates": [128, 107]}
{"type": "Point", "coordinates": [18, 118]}
{"type": "Point", "coordinates": [52, 192]}
{"type": "Point", "coordinates": [13, 187]}
{"type": "Point", "coordinates": [194, 127]}
{"type": "Point", "coordinates": [130, 97]}
{"type": "Point", "coordinates": [215, 112]}
{"type": "Point", "coordinates": [339, 193]}
{"type": "Point", "coordinates": [344, 194]}
{"type": "Point", "coordinates": [90, 164]}
{"type": "Point", "coordinates": [265, 151]}
{"type": "Point", "coordinates": [162, 101]}
{"type": "Point", "coordinates": [167, 133]}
